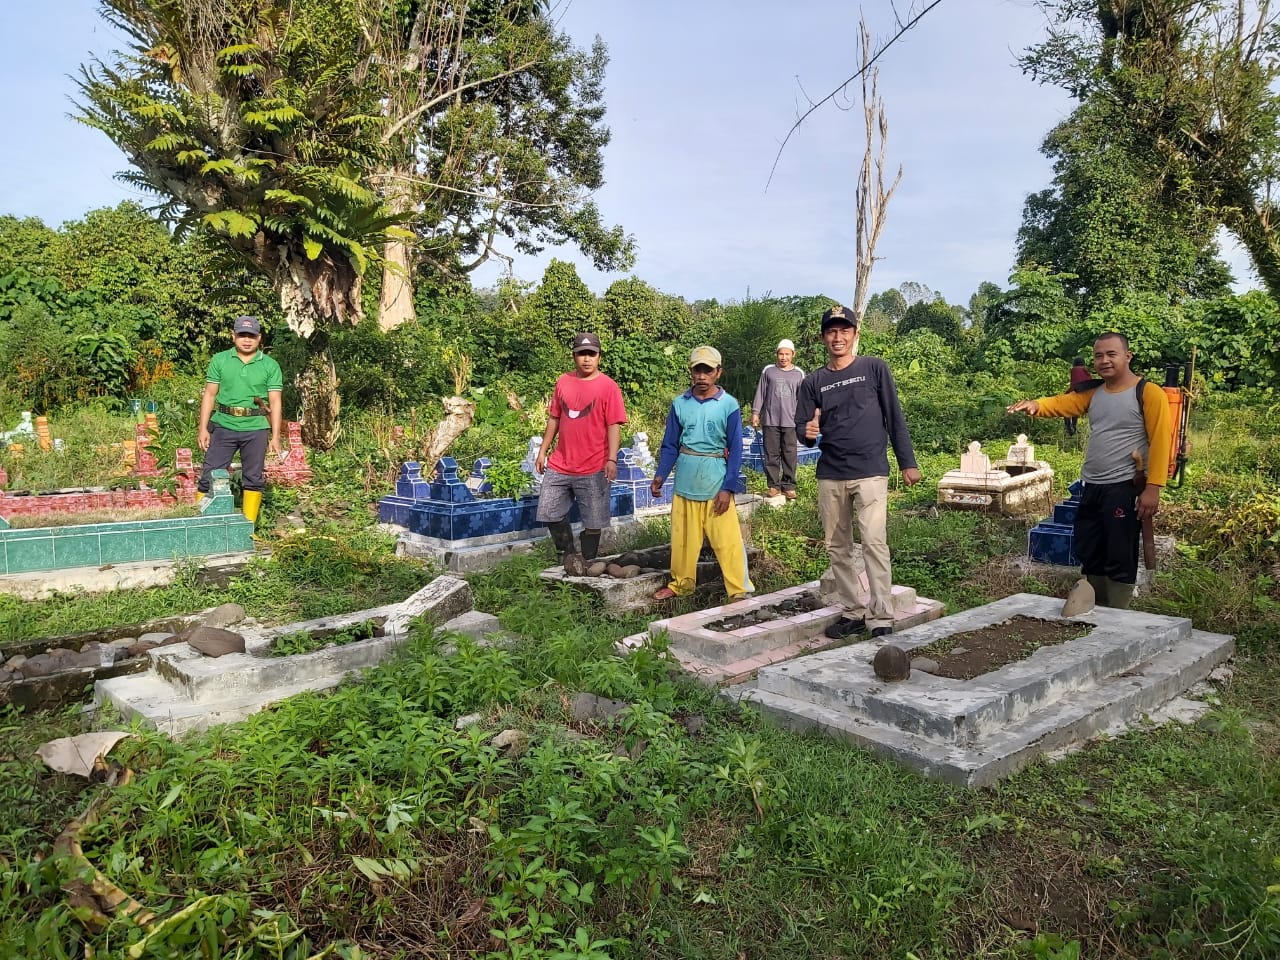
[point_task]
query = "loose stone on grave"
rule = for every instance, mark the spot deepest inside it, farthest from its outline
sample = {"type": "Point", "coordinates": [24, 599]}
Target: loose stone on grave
{"type": "Point", "coordinates": [1016, 485]}
{"type": "Point", "coordinates": [974, 731]}
{"type": "Point", "coordinates": [635, 593]}
{"type": "Point", "coordinates": [717, 652]}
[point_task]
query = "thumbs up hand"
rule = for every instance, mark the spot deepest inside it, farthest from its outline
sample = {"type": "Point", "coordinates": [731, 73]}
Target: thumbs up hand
{"type": "Point", "coordinates": [811, 429]}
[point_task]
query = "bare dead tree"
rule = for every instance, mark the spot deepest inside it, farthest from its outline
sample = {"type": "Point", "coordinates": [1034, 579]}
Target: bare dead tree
{"type": "Point", "coordinates": [872, 197]}
{"type": "Point", "coordinates": [903, 23]}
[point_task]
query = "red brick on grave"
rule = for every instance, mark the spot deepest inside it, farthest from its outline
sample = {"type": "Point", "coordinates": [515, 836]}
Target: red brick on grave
{"type": "Point", "coordinates": [144, 464]}
{"type": "Point", "coordinates": [184, 474]}
{"type": "Point", "coordinates": [290, 470]}
{"type": "Point", "coordinates": [84, 502]}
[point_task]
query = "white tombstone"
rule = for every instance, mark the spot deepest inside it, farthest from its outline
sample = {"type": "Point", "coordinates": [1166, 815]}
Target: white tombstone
{"type": "Point", "coordinates": [1021, 452]}
{"type": "Point", "coordinates": [25, 428]}
{"type": "Point", "coordinates": [641, 455]}
{"type": "Point", "coordinates": [974, 460]}
{"type": "Point", "coordinates": [530, 457]}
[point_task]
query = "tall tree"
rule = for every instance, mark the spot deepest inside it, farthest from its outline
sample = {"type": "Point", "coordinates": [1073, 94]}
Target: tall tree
{"type": "Point", "coordinates": [252, 119]}
{"type": "Point", "coordinates": [495, 132]}
{"type": "Point", "coordinates": [1191, 88]}
{"type": "Point", "coordinates": [937, 316]}
{"type": "Point", "coordinates": [1108, 223]}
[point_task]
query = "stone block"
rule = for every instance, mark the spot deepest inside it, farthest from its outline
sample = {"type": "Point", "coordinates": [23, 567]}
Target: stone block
{"type": "Point", "coordinates": [473, 624]}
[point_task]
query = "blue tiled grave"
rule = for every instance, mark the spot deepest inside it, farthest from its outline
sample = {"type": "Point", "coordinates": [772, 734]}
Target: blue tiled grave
{"type": "Point", "coordinates": [219, 528]}
{"type": "Point", "coordinates": [1053, 540]}
{"type": "Point", "coordinates": [753, 451]}
{"type": "Point", "coordinates": [450, 508]}
{"type": "Point", "coordinates": [633, 477]}
{"type": "Point", "coordinates": [452, 512]}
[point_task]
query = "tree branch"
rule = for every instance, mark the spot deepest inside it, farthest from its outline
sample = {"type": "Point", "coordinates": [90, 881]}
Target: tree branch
{"type": "Point", "coordinates": [903, 28]}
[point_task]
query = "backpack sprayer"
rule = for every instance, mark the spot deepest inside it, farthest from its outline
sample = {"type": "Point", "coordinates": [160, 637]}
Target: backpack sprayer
{"type": "Point", "coordinates": [1179, 397]}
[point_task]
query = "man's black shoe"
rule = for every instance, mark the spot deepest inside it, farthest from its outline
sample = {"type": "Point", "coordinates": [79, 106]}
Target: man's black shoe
{"type": "Point", "coordinates": [881, 632]}
{"type": "Point", "coordinates": [844, 627]}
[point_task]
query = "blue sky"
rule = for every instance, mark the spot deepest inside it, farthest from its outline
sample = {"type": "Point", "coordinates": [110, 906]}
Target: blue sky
{"type": "Point", "coordinates": [700, 94]}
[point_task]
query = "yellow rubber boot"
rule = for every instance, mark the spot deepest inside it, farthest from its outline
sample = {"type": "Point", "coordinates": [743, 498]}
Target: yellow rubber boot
{"type": "Point", "coordinates": [250, 501]}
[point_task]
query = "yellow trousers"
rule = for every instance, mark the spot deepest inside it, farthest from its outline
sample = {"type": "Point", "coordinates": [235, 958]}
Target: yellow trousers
{"type": "Point", "coordinates": [691, 521]}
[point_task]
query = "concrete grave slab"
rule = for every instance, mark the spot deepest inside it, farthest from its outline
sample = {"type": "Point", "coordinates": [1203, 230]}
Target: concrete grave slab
{"type": "Point", "coordinates": [972, 732]}
{"type": "Point", "coordinates": [719, 656]}
{"type": "Point", "coordinates": [184, 690]}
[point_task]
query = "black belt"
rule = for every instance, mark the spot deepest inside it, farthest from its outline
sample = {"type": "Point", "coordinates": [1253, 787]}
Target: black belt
{"type": "Point", "coordinates": [241, 411]}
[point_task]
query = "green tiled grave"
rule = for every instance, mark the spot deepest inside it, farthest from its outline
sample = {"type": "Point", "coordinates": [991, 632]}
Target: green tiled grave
{"type": "Point", "coordinates": [218, 529]}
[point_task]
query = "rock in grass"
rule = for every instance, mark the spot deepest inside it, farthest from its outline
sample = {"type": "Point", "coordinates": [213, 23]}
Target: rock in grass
{"type": "Point", "coordinates": [924, 665]}
{"type": "Point", "coordinates": [588, 706]}
{"type": "Point", "coordinates": [223, 615]}
{"type": "Point", "coordinates": [513, 742]}
{"type": "Point", "coordinates": [891, 664]}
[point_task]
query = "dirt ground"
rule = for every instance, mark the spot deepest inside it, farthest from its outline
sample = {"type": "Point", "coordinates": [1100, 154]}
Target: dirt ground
{"type": "Point", "coordinates": [964, 656]}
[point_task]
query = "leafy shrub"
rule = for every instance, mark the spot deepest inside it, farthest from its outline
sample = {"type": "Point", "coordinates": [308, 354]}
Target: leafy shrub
{"type": "Point", "coordinates": [1252, 531]}
{"type": "Point", "coordinates": [506, 479]}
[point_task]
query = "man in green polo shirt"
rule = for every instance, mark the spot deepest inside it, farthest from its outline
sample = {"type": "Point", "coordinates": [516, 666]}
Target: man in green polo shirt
{"type": "Point", "coordinates": [240, 410]}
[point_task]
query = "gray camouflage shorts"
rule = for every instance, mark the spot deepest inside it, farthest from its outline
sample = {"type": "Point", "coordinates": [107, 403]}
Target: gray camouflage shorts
{"type": "Point", "coordinates": [560, 490]}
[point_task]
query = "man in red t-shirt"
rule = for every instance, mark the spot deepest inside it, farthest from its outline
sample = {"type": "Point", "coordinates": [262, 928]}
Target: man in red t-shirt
{"type": "Point", "coordinates": [587, 414]}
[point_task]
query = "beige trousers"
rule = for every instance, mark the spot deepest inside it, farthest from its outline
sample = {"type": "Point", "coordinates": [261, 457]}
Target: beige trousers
{"type": "Point", "coordinates": [839, 501]}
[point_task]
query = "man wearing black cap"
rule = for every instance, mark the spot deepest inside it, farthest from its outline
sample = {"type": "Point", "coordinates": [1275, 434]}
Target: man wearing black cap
{"type": "Point", "coordinates": [586, 416]}
{"type": "Point", "coordinates": [240, 410]}
{"type": "Point", "coordinates": [853, 402]}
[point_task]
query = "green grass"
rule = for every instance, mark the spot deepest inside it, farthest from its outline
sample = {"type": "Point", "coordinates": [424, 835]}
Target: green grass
{"type": "Point", "coordinates": [685, 827]}
{"type": "Point", "coordinates": [305, 577]}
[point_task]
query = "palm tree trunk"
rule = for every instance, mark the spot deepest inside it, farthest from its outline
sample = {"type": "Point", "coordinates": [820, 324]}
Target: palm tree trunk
{"type": "Point", "coordinates": [314, 296]}
{"type": "Point", "coordinates": [318, 390]}
{"type": "Point", "coordinates": [396, 303]}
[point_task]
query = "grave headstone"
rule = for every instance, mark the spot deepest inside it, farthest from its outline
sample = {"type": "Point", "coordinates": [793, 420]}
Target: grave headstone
{"type": "Point", "coordinates": [1021, 452]}
{"type": "Point", "coordinates": [24, 428]}
{"type": "Point", "coordinates": [477, 480]}
{"type": "Point", "coordinates": [974, 460]}
{"type": "Point", "coordinates": [145, 461]}
{"type": "Point", "coordinates": [641, 455]}
{"type": "Point", "coordinates": [530, 459]}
